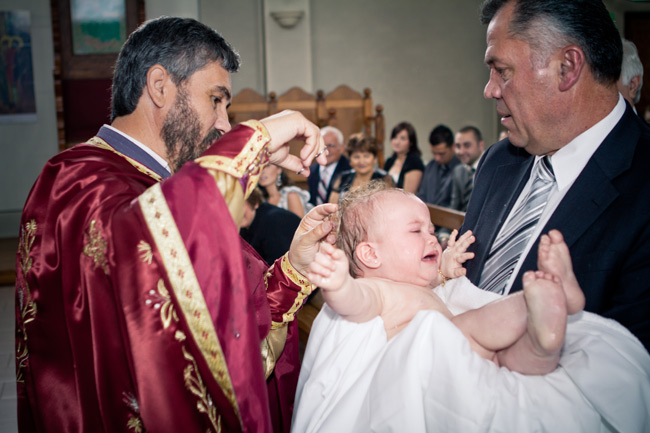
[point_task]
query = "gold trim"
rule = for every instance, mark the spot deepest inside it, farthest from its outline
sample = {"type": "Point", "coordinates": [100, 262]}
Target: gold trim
{"type": "Point", "coordinates": [98, 142]}
{"type": "Point", "coordinates": [250, 161]}
{"type": "Point", "coordinates": [298, 279]}
{"type": "Point", "coordinates": [186, 287]}
{"type": "Point", "coordinates": [272, 347]}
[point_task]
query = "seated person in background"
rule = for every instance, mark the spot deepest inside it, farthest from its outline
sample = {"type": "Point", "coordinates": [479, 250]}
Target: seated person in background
{"type": "Point", "coordinates": [362, 151]}
{"type": "Point", "coordinates": [280, 191]}
{"type": "Point", "coordinates": [469, 148]}
{"type": "Point", "coordinates": [405, 165]}
{"type": "Point", "coordinates": [396, 261]}
{"type": "Point", "coordinates": [267, 228]}
{"type": "Point", "coordinates": [436, 184]}
{"type": "Point", "coordinates": [435, 187]}
{"type": "Point", "coordinates": [321, 177]}
{"type": "Point", "coordinates": [630, 82]}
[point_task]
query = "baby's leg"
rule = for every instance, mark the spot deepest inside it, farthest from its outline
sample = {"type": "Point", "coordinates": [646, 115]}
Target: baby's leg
{"type": "Point", "coordinates": [538, 350]}
{"type": "Point", "coordinates": [553, 257]}
{"type": "Point", "coordinates": [494, 326]}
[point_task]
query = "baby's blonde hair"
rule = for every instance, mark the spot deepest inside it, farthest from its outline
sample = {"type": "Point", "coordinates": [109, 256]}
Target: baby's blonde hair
{"type": "Point", "coordinates": [355, 210]}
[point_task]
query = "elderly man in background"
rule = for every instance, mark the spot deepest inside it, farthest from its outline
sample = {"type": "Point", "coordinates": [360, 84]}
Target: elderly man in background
{"type": "Point", "coordinates": [321, 178]}
{"type": "Point", "coordinates": [631, 80]}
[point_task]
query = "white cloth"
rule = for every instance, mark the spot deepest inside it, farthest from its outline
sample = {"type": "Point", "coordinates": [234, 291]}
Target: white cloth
{"type": "Point", "coordinates": [427, 379]}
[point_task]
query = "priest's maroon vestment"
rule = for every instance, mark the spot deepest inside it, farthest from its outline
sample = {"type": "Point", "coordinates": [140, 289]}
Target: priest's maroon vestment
{"type": "Point", "coordinates": [138, 307]}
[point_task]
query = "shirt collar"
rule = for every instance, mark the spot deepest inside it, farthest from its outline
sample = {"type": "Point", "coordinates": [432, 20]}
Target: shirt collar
{"type": "Point", "coordinates": [569, 161]}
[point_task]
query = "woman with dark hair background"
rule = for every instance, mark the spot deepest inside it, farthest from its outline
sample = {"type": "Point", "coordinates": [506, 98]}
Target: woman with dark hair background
{"type": "Point", "coordinates": [280, 191]}
{"type": "Point", "coordinates": [405, 166]}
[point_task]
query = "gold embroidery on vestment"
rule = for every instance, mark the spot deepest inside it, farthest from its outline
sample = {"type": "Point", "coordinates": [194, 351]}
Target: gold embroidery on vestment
{"type": "Point", "coordinates": [27, 305]}
{"type": "Point", "coordinates": [135, 422]}
{"type": "Point", "coordinates": [146, 254]}
{"type": "Point", "coordinates": [185, 286]}
{"type": "Point", "coordinates": [194, 383]}
{"type": "Point", "coordinates": [96, 246]}
{"type": "Point", "coordinates": [161, 301]}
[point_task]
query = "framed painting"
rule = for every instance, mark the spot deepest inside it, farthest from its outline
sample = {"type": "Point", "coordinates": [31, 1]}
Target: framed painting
{"type": "Point", "coordinates": [17, 96]}
{"type": "Point", "coordinates": [98, 26]}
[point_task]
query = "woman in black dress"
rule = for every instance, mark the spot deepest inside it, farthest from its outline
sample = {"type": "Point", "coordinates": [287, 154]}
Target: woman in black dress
{"type": "Point", "coordinates": [405, 166]}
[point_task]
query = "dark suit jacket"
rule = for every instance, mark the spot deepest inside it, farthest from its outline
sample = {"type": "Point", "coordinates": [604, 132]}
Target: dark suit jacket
{"type": "Point", "coordinates": [604, 217]}
{"type": "Point", "coordinates": [314, 178]}
{"type": "Point", "coordinates": [460, 176]}
{"type": "Point", "coordinates": [271, 231]}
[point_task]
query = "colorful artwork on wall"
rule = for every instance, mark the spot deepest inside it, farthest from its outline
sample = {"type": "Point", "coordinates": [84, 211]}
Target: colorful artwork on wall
{"type": "Point", "coordinates": [98, 26]}
{"type": "Point", "coordinates": [17, 96]}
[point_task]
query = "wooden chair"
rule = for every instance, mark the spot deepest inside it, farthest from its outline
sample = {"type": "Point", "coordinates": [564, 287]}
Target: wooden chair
{"type": "Point", "coordinates": [352, 113]}
{"type": "Point", "coordinates": [348, 110]}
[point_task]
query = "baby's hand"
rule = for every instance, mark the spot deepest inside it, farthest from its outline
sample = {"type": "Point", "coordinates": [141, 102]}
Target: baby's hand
{"type": "Point", "coordinates": [455, 254]}
{"type": "Point", "coordinates": [330, 268]}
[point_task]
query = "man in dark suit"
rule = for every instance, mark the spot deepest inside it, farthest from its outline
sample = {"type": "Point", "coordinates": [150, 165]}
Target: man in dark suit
{"type": "Point", "coordinates": [267, 228]}
{"type": "Point", "coordinates": [554, 81]}
{"type": "Point", "coordinates": [321, 177]}
{"type": "Point", "coordinates": [469, 147]}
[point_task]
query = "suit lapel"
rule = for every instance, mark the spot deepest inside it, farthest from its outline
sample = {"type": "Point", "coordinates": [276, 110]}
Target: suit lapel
{"type": "Point", "coordinates": [593, 191]}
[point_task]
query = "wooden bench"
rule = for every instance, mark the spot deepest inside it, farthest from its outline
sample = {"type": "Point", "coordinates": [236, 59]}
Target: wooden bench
{"type": "Point", "coordinates": [445, 217]}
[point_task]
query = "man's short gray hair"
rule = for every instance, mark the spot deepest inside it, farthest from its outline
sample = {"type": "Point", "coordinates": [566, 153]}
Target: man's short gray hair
{"type": "Point", "coordinates": [337, 132]}
{"type": "Point", "coordinates": [631, 66]}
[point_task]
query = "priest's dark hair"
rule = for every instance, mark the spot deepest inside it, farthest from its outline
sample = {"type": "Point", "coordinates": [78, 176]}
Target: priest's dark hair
{"type": "Point", "coordinates": [181, 45]}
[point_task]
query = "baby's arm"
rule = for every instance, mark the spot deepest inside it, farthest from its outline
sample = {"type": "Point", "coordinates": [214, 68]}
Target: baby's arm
{"type": "Point", "coordinates": [453, 257]}
{"type": "Point", "coordinates": [357, 300]}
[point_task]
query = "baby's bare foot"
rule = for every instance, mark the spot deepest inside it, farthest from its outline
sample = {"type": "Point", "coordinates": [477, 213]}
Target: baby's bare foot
{"type": "Point", "coordinates": [547, 312]}
{"type": "Point", "coordinates": [553, 257]}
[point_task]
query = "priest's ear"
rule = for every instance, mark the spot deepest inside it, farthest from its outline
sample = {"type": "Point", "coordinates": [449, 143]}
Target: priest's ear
{"type": "Point", "coordinates": [158, 85]}
{"type": "Point", "coordinates": [366, 255]}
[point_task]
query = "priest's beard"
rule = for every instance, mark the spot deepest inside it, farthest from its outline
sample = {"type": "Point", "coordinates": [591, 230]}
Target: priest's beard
{"type": "Point", "coordinates": [181, 133]}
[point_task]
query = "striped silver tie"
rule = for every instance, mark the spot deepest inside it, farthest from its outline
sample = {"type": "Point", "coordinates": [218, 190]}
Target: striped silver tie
{"type": "Point", "coordinates": [512, 238]}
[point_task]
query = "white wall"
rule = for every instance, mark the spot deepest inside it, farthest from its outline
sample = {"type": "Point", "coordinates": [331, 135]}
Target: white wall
{"type": "Point", "coordinates": [240, 23]}
{"type": "Point", "coordinates": [402, 51]}
{"type": "Point", "coordinates": [422, 59]}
